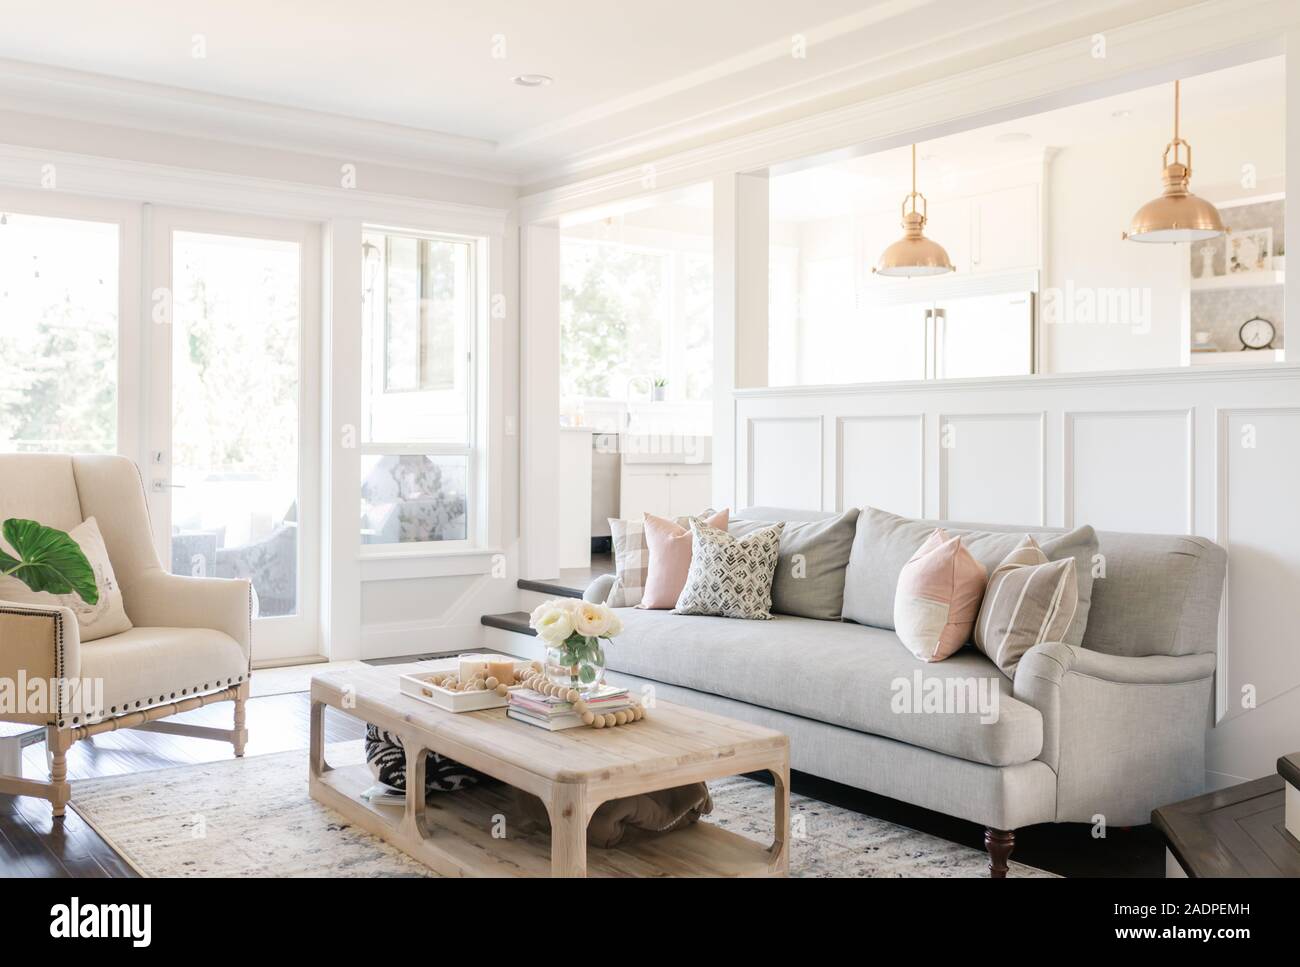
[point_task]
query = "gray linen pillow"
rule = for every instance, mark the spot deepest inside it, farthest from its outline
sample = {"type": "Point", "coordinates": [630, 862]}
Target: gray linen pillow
{"type": "Point", "coordinates": [885, 542]}
{"type": "Point", "coordinates": [814, 555]}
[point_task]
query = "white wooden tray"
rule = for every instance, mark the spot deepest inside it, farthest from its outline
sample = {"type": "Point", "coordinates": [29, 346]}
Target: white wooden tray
{"type": "Point", "coordinates": [420, 686]}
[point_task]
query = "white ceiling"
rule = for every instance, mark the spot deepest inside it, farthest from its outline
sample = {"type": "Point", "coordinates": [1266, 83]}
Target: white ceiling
{"type": "Point", "coordinates": [417, 80]}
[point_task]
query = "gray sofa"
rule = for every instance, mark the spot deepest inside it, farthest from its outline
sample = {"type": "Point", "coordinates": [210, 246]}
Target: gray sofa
{"type": "Point", "coordinates": [1110, 729]}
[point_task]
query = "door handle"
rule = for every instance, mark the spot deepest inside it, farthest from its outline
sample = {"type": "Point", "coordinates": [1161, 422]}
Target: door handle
{"type": "Point", "coordinates": [160, 485]}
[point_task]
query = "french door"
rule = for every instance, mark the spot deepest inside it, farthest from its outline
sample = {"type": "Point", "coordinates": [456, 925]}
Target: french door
{"type": "Point", "coordinates": [232, 468]}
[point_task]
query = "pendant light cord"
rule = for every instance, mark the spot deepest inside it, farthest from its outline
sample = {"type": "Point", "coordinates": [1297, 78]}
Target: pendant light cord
{"type": "Point", "coordinates": [1177, 98]}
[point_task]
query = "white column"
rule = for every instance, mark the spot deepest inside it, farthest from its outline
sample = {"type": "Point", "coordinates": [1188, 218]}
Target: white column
{"type": "Point", "coordinates": [740, 287]}
{"type": "Point", "coordinates": [340, 443]}
{"type": "Point", "coordinates": [1291, 296]}
{"type": "Point", "coordinates": [539, 353]}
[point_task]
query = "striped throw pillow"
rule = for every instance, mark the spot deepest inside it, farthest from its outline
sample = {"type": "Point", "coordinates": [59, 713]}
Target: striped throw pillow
{"type": "Point", "coordinates": [1029, 600]}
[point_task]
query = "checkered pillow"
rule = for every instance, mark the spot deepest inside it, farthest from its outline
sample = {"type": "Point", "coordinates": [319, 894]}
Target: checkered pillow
{"type": "Point", "coordinates": [632, 559]}
{"type": "Point", "coordinates": [631, 563]}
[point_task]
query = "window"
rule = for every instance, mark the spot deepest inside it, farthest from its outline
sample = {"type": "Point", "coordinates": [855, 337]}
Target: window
{"type": "Point", "coordinates": [58, 334]}
{"type": "Point", "coordinates": [636, 307]}
{"type": "Point", "coordinates": [422, 294]}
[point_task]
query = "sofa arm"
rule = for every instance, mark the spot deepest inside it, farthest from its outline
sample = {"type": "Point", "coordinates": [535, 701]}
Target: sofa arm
{"type": "Point", "coordinates": [37, 641]}
{"type": "Point", "coordinates": [1124, 735]}
{"type": "Point", "coordinates": [598, 590]}
{"type": "Point", "coordinates": [161, 600]}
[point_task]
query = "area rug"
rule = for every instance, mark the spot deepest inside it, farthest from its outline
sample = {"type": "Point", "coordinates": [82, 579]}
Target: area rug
{"type": "Point", "coordinates": [253, 817]}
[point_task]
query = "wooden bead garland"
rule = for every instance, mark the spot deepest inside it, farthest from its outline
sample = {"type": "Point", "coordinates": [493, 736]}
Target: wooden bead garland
{"type": "Point", "coordinates": [533, 678]}
{"type": "Point", "coordinates": [607, 720]}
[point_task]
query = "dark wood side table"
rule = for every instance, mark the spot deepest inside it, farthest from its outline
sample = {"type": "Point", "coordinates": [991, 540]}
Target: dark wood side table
{"type": "Point", "coordinates": [1238, 831]}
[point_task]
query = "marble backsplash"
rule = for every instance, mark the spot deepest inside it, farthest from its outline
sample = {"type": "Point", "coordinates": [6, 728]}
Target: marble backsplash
{"type": "Point", "coordinates": [1221, 312]}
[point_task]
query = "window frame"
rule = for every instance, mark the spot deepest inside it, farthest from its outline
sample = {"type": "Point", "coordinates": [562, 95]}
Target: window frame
{"type": "Point", "coordinates": [473, 449]}
{"type": "Point", "coordinates": [127, 216]}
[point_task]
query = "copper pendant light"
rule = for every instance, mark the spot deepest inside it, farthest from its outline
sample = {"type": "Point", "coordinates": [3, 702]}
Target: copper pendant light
{"type": "Point", "coordinates": [1177, 215]}
{"type": "Point", "coordinates": [914, 254]}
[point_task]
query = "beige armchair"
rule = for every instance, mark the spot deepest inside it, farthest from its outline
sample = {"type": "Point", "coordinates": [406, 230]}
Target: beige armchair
{"type": "Point", "coordinates": [191, 644]}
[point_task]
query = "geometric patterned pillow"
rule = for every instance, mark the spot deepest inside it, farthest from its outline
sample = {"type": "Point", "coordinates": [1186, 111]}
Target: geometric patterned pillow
{"type": "Point", "coordinates": [1029, 600]}
{"type": "Point", "coordinates": [387, 761]}
{"type": "Point", "coordinates": [731, 577]}
{"type": "Point", "coordinates": [632, 560]}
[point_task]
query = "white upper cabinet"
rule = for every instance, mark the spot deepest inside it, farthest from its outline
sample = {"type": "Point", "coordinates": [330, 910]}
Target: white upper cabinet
{"type": "Point", "coordinates": [949, 224]}
{"type": "Point", "coordinates": [1004, 229]}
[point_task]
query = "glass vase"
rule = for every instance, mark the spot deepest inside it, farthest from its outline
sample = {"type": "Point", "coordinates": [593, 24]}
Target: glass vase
{"type": "Point", "coordinates": [577, 662]}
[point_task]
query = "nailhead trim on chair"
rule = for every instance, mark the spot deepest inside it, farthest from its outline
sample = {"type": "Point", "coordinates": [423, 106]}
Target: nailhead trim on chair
{"type": "Point", "coordinates": [58, 651]}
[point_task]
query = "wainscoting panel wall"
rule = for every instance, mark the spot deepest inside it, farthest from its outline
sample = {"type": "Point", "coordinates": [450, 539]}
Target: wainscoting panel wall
{"type": "Point", "coordinates": [991, 467]}
{"type": "Point", "coordinates": [1133, 468]}
{"type": "Point", "coordinates": [881, 463]}
{"type": "Point", "coordinates": [1213, 452]}
{"type": "Point", "coordinates": [787, 463]}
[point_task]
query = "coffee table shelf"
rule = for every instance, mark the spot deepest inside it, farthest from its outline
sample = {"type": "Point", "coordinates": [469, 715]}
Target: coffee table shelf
{"type": "Point", "coordinates": [571, 772]}
{"type": "Point", "coordinates": [461, 843]}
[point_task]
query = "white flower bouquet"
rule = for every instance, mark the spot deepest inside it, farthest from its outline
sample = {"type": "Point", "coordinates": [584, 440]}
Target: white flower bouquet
{"type": "Point", "coordinates": [573, 631]}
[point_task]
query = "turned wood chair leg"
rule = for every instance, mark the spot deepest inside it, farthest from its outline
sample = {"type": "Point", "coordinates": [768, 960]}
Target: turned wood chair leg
{"type": "Point", "coordinates": [241, 730]}
{"type": "Point", "coordinates": [999, 843]}
{"type": "Point", "coordinates": [56, 745]}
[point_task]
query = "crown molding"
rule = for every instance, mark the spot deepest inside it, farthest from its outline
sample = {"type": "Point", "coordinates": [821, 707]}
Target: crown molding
{"type": "Point", "coordinates": [21, 168]}
{"type": "Point", "coordinates": [100, 99]}
{"type": "Point", "coordinates": [1207, 36]}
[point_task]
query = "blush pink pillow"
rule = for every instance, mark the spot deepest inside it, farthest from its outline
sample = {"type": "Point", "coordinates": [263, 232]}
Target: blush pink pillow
{"type": "Point", "coordinates": [669, 544]}
{"type": "Point", "coordinates": [938, 597]}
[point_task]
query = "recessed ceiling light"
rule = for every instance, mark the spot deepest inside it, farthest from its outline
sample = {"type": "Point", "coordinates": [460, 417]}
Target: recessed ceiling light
{"type": "Point", "coordinates": [1013, 137]}
{"type": "Point", "coordinates": [533, 80]}
{"type": "Point", "coordinates": [1125, 113]}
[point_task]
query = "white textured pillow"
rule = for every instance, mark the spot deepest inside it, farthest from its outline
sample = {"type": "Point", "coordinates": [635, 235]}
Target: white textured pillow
{"type": "Point", "coordinates": [108, 616]}
{"type": "Point", "coordinates": [731, 577]}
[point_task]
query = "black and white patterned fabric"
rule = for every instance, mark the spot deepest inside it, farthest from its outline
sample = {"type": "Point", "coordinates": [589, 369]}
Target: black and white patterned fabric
{"type": "Point", "coordinates": [387, 761]}
{"type": "Point", "coordinates": [730, 577]}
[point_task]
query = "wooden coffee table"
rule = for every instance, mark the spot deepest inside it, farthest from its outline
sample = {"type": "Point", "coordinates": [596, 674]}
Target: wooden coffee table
{"type": "Point", "coordinates": [572, 772]}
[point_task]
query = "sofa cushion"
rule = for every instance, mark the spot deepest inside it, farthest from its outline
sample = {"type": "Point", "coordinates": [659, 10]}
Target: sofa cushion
{"type": "Point", "coordinates": [107, 615]}
{"type": "Point", "coordinates": [151, 665]}
{"type": "Point", "coordinates": [938, 597]}
{"type": "Point", "coordinates": [841, 674]}
{"type": "Point", "coordinates": [1029, 600]}
{"type": "Point", "coordinates": [809, 579]}
{"type": "Point", "coordinates": [885, 542]}
{"type": "Point", "coordinates": [669, 545]}
{"type": "Point", "coordinates": [730, 577]}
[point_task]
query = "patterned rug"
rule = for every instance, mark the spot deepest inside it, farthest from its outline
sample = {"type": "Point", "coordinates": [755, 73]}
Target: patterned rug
{"type": "Point", "coordinates": [253, 817]}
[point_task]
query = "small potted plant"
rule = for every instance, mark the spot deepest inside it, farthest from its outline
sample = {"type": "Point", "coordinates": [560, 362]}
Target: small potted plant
{"type": "Point", "coordinates": [659, 391]}
{"type": "Point", "coordinates": [574, 631]}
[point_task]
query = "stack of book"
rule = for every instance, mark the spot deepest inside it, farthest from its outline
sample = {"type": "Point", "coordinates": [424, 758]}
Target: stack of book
{"type": "Point", "coordinates": [556, 714]}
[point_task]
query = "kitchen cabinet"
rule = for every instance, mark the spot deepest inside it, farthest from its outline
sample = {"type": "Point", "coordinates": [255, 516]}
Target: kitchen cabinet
{"type": "Point", "coordinates": [665, 490]}
{"type": "Point", "coordinates": [1004, 229]}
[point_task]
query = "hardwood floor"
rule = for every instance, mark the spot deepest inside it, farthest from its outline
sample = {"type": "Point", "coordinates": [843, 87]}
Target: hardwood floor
{"type": "Point", "coordinates": [32, 844]}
